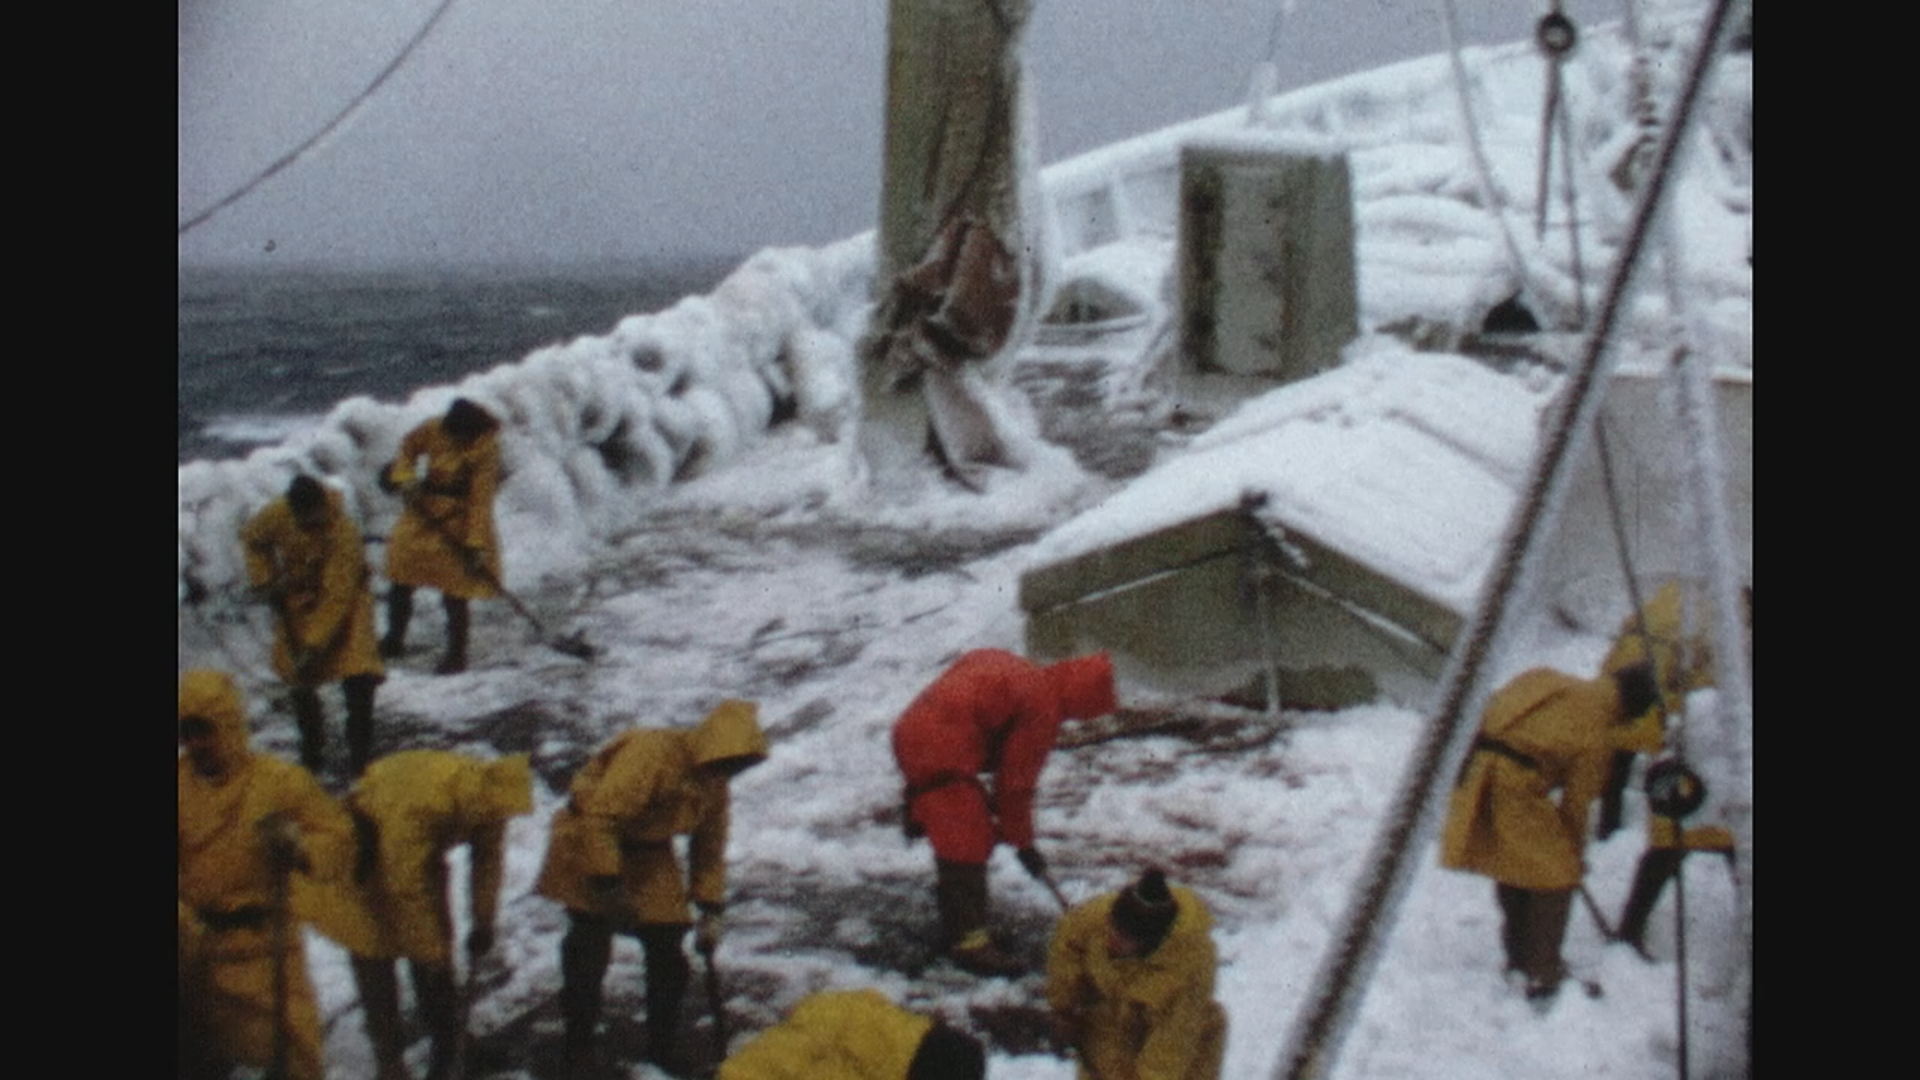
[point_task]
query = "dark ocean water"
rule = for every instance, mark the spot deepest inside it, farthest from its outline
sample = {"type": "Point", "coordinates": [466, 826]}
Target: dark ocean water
{"type": "Point", "coordinates": [264, 352]}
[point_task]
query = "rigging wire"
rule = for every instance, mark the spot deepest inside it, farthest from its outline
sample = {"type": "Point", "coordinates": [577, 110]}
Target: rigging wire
{"type": "Point", "coordinates": [1706, 476]}
{"type": "Point", "coordinates": [1573, 219]}
{"type": "Point", "coordinates": [1482, 169]}
{"type": "Point", "coordinates": [1696, 409]}
{"type": "Point", "coordinates": [1314, 1041]}
{"type": "Point", "coordinates": [290, 157]}
{"type": "Point", "coordinates": [1557, 37]}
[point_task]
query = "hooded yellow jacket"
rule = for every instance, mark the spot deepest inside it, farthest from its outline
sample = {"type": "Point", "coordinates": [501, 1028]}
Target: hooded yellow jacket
{"type": "Point", "coordinates": [1504, 821]}
{"type": "Point", "coordinates": [451, 508]}
{"type": "Point", "coordinates": [632, 798]}
{"type": "Point", "coordinates": [411, 809]}
{"type": "Point", "coordinates": [834, 1035]}
{"type": "Point", "coordinates": [1139, 1018]}
{"type": "Point", "coordinates": [1682, 653]}
{"type": "Point", "coordinates": [226, 878]}
{"type": "Point", "coordinates": [327, 591]}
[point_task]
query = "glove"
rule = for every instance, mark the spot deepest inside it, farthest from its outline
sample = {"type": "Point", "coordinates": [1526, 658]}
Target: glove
{"type": "Point", "coordinates": [706, 933]}
{"type": "Point", "coordinates": [1035, 863]}
{"type": "Point", "coordinates": [479, 941]}
{"type": "Point", "coordinates": [281, 837]}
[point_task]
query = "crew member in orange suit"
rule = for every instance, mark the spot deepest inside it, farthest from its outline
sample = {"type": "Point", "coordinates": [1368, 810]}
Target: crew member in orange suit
{"type": "Point", "coordinates": [997, 715]}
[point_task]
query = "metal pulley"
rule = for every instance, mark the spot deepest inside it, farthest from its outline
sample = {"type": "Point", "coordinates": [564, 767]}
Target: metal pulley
{"type": "Point", "coordinates": [1673, 789]}
{"type": "Point", "coordinates": [1556, 34]}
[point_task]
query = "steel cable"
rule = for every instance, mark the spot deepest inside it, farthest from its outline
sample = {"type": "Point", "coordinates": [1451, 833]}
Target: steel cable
{"type": "Point", "coordinates": [290, 157]}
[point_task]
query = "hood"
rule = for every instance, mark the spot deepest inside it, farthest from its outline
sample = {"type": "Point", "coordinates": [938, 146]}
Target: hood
{"type": "Point", "coordinates": [215, 697]}
{"type": "Point", "coordinates": [731, 730]}
{"type": "Point", "coordinates": [1083, 685]}
{"type": "Point", "coordinates": [1681, 644]}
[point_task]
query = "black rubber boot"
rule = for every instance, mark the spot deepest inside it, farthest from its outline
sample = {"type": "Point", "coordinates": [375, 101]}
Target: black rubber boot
{"type": "Point", "coordinates": [1657, 867]}
{"type": "Point", "coordinates": [379, 991]}
{"type": "Point", "coordinates": [960, 891]}
{"type": "Point", "coordinates": [399, 613]}
{"type": "Point", "coordinates": [440, 1007]}
{"type": "Point", "coordinates": [951, 899]}
{"type": "Point", "coordinates": [359, 691]}
{"type": "Point", "coordinates": [458, 615]}
{"type": "Point", "coordinates": [584, 954]}
{"type": "Point", "coordinates": [668, 975]}
{"type": "Point", "coordinates": [311, 720]}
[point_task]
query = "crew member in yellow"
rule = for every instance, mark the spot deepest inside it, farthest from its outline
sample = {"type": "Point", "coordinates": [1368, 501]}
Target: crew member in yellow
{"type": "Point", "coordinates": [857, 1035]}
{"type": "Point", "coordinates": [1130, 980]}
{"type": "Point", "coordinates": [409, 811]}
{"type": "Point", "coordinates": [1673, 626]}
{"type": "Point", "coordinates": [445, 538]}
{"type": "Point", "coordinates": [1670, 634]}
{"type": "Point", "coordinates": [255, 835]}
{"type": "Point", "coordinates": [1543, 732]}
{"type": "Point", "coordinates": [610, 860]}
{"type": "Point", "coordinates": [305, 557]}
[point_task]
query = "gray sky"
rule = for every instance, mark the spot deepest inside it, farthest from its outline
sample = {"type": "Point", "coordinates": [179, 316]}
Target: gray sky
{"type": "Point", "coordinates": [561, 130]}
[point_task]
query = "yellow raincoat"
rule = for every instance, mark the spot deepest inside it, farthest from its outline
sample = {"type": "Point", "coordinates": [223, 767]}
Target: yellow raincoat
{"type": "Point", "coordinates": [326, 611]}
{"type": "Point", "coordinates": [453, 504]}
{"type": "Point", "coordinates": [1139, 1018]}
{"type": "Point", "coordinates": [1682, 654]}
{"type": "Point", "coordinates": [834, 1035]}
{"type": "Point", "coordinates": [413, 808]}
{"type": "Point", "coordinates": [1683, 662]}
{"type": "Point", "coordinates": [637, 793]}
{"type": "Point", "coordinates": [225, 877]}
{"type": "Point", "coordinates": [1503, 821]}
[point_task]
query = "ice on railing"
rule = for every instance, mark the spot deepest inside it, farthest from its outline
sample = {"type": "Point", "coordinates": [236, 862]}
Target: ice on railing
{"type": "Point", "coordinates": [592, 426]}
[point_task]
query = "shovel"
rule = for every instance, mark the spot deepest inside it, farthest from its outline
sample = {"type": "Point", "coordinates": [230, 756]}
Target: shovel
{"type": "Point", "coordinates": [574, 644]}
{"type": "Point", "coordinates": [1054, 888]}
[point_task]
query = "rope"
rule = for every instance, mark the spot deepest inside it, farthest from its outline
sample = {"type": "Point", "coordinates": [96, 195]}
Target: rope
{"type": "Point", "coordinates": [1313, 1044]}
{"type": "Point", "coordinates": [290, 157]}
{"type": "Point", "coordinates": [1546, 147]}
{"type": "Point", "coordinates": [1620, 546]}
{"type": "Point", "coordinates": [1557, 36]}
{"type": "Point", "coordinates": [1615, 517]}
{"type": "Point", "coordinates": [1482, 170]}
{"type": "Point", "coordinates": [1573, 214]}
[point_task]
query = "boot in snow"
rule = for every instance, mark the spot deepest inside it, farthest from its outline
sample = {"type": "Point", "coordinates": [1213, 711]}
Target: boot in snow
{"type": "Point", "coordinates": [455, 661]}
{"type": "Point", "coordinates": [399, 613]}
{"type": "Point", "coordinates": [310, 719]}
{"type": "Point", "coordinates": [978, 954]}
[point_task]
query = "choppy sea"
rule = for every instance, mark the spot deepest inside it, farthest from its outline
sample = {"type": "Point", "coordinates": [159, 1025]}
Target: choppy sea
{"type": "Point", "coordinates": [265, 353]}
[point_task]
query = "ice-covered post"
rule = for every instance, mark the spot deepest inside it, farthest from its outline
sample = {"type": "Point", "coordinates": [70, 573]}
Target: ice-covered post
{"type": "Point", "coordinates": [959, 268]}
